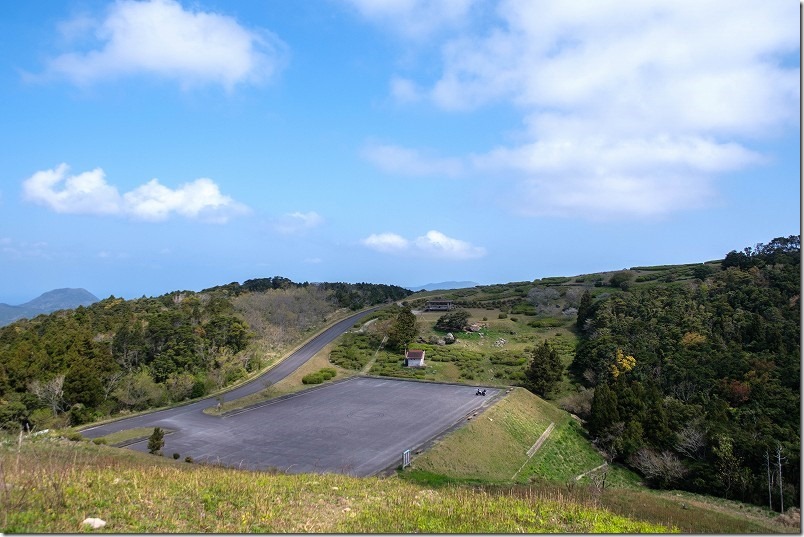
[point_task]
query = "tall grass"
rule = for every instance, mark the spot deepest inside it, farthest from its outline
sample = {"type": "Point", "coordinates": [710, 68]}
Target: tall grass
{"type": "Point", "coordinates": [51, 485]}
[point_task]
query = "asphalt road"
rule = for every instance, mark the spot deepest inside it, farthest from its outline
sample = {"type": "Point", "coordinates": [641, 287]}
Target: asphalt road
{"type": "Point", "coordinates": [359, 426]}
{"type": "Point", "coordinates": [275, 374]}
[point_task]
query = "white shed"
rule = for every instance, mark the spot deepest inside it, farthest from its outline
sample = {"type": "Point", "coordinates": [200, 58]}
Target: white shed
{"type": "Point", "coordinates": [414, 358]}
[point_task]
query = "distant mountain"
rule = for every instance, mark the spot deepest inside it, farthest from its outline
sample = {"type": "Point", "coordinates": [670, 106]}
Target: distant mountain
{"type": "Point", "coordinates": [57, 299]}
{"type": "Point", "coordinates": [444, 286]}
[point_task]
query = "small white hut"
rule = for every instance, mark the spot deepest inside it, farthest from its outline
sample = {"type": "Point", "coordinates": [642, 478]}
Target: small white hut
{"type": "Point", "coordinates": [414, 358]}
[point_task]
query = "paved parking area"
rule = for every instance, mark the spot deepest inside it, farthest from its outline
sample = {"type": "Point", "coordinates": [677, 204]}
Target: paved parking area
{"type": "Point", "coordinates": [358, 427]}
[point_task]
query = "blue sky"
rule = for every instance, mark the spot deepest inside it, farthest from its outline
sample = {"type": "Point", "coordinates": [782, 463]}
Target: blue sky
{"type": "Point", "coordinates": [152, 146]}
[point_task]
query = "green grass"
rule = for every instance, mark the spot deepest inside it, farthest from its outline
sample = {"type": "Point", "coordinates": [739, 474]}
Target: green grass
{"type": "Point", "coordinates": [486, 452]}
{"type": "Point", "coordinates": [492, 446]}
{"type": "Point", "coordinates": [51, 485]}
{"type": "Point", "coordinates": [128, 436]}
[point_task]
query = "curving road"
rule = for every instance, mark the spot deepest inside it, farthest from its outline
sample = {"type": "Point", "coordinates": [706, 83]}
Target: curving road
{"type": "Point", "coordinates": [358, 426]}
{"type": "Point", "coordinates": [192, 414]}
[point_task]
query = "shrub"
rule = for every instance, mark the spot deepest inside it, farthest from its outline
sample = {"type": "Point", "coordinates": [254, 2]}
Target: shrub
{"type": "Point", "coordinates": [156, 441]}
{"type": "Point", "coordinates": [312, 378]}
{"type": "Point", "coordinates": [188, 459]}
{"type": "Point", "coordinates": [99, 441]}
{"type": "Point", "coordinates": [176, 456]}
{"type": "Point", "coordinates": [319, 376]}
{"type": "Point", "coordinates": [74, 436]}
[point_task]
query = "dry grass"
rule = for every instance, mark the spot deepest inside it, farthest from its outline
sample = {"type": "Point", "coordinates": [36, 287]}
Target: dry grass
{"type": "Point", "coordinates": [51, 485]}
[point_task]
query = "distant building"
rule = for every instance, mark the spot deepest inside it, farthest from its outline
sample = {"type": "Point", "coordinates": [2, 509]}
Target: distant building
{"type": "Point", "coordinates": [414, 358]}
{"type": "Point", "coordinates": [439, 305]}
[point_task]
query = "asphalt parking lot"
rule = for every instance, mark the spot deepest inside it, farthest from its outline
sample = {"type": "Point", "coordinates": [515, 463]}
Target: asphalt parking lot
{"type": "Point", "coordinates": [359, 427]}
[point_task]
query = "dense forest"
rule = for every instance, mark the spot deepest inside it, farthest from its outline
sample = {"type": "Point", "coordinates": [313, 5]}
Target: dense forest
{"type": "Point", "coordinates": [75, 366]}
{"type": "Point", "coordinates": [698, 386]}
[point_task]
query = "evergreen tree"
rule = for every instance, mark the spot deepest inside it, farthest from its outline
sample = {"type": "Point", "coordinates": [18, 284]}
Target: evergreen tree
{"type": "Point", "coordinates": [403, 329]}
{"type": "Point", "coordinates": [452, 321]}
{"type": "Point", "coordinates": [156, 441]}
{"type": "Point", "coordinates": [584, 309]}
{"type": "Point", "coordinates": [544, 371]}
{"type": "Point", "coordinates": [604, 410]}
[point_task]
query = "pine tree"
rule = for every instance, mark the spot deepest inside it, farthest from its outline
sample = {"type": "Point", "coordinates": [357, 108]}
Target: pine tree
{"type": "Point", "coordinates": [604, 410]}
{"type": "Point", "coordinates": [584, 309]}
{"type": "Point", "coordinates": [544, 371]}
{"type": "Point", "coordinates": [156, 441]}
{"type": "Point", "coordinates": [403, 329]}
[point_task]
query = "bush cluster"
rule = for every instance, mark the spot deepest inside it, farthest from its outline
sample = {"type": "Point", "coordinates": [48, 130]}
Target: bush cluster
{"type": "Point", "coordinates": [319, 376]}
{"type": "Point", "coordinates": [354, 351]}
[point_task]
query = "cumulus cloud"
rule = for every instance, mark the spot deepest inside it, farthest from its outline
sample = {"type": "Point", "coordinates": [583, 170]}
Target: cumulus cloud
{"type": "Point", "coordinates": [387, 242]}
{"type": "Point", "coordinates": [297, 222]}
{"type": "Point", "coordinates": [90, 193]}
{"type": "Point", "coordinates": [627, 107]}
{"type": "Point", "coordinates": [162, 38]}
{"type": "Point", "coordinates": [433, 244]}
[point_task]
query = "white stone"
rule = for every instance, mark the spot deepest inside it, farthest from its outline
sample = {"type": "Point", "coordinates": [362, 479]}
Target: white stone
{"type": "Point", "coordinates": [95, 523]}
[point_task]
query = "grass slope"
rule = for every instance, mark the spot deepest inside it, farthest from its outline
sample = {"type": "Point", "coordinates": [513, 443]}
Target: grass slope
{"type": "Point", "coordinates": [50, 485]}
{"type": "Point", "coordinates": [494, 445]}
{"type": "Point", "coordinates": [487, 452]}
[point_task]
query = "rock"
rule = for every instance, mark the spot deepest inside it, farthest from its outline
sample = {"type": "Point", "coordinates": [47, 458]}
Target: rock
{"type": "Point", "coordinates": [449, 339]}
{"type": "Point", "coordinates": [94, 523]}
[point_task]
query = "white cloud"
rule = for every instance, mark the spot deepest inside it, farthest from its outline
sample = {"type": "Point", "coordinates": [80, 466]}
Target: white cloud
{"type": "Point", "coordinates": [415, 19]}
{"type": "Point", "coordinates": [433, 244]}
{"type": "Point", "coordinates": [387, 242]}
{"type": "Point", "coordinates": [90, 193]}
{"type": "Point", "coordinates": [160, 37]}
{"type": "Point", "coordinates": [400, 160]}
{"type": "Point", "coordinates": [86, 192]}
{"type": "Point", "coordinates": [297, 222]}
{"type": "Point", "coordinates": [439, 245]}
{"type": "Point", "coordinates": [627, 107]}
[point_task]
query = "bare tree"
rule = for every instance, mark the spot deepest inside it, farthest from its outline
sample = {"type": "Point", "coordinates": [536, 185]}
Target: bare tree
{"type": "Point", "coordinates": [51, 392]}
{"type": "Point", "coordinates": [779, 460]}
{"type": "Point", "coordinates": [691, 441]}
{"type": "Point", "coordinates": [770, 479]}
{"type": "Point", "coordinates": [664, 467]}
{"type": "Point", "coordinates": [684, 390]}
{"type": "Point", "coordinates": [111, 383]}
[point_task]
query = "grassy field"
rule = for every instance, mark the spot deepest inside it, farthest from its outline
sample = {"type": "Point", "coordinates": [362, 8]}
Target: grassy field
{"type": "Point", "coordinates": [51, 485]}
{"type": "Point", "coordinates": [496, 355]}
{"type": "Point", "coordinates": [488, 451]}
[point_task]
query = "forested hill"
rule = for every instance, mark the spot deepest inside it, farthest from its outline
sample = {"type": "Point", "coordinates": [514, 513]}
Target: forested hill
{"type": "Point", "coordinates": [698, 386]}
{"type": "Point", "coordinates": [115, 355]}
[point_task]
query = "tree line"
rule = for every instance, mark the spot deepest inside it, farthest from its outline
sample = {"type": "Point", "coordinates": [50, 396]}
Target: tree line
{"type": "Point", "coordinates": [76, 366]}
{"type": "Point", "coordinates": [697, 386]}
